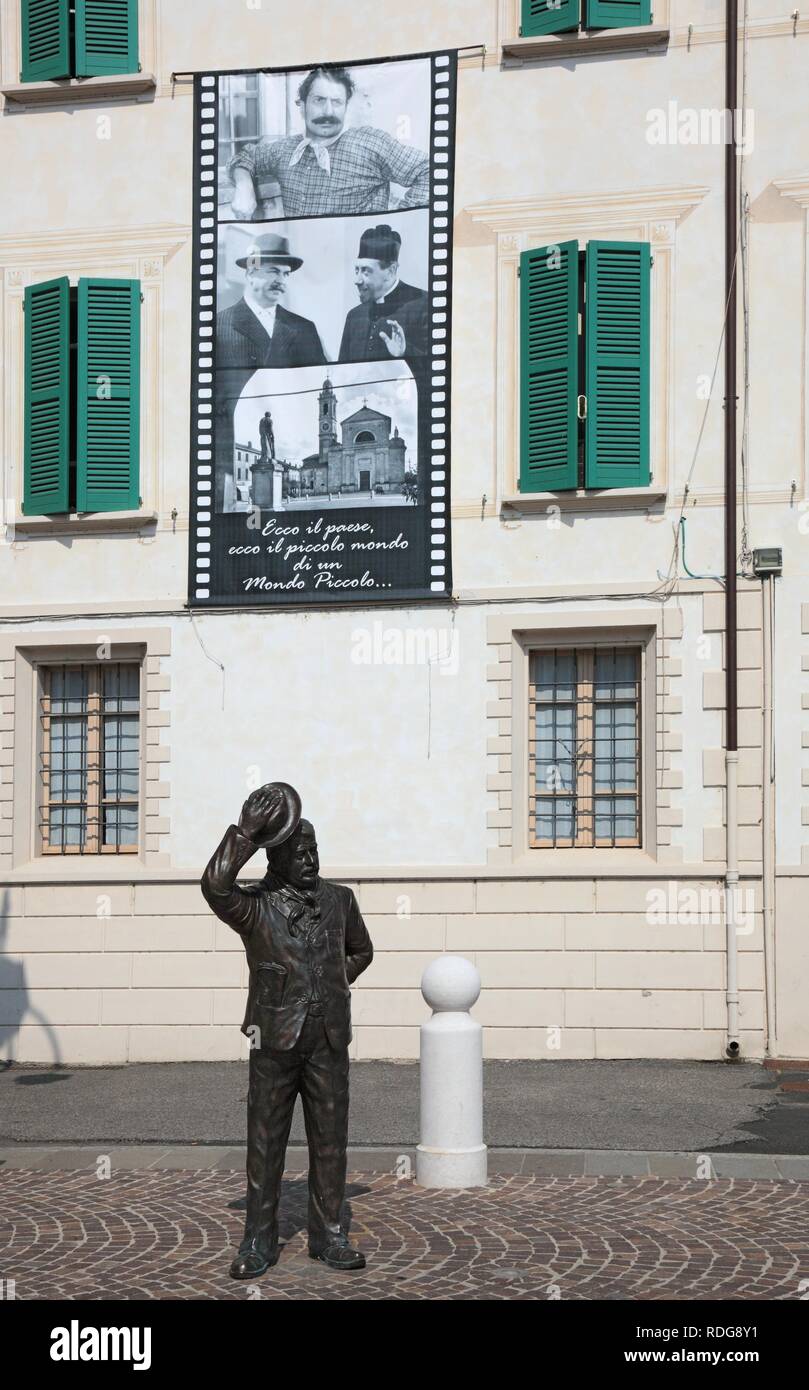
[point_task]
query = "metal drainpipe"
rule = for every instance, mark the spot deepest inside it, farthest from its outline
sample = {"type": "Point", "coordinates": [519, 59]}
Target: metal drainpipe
{"type": "Point", "coordinates": [732, 1048]}
{"type": "Point", "coordinates": [768, 816]}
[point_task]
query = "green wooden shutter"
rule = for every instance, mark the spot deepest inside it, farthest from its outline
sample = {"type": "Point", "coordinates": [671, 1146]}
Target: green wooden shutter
{"type": "Point", "coordinates": [47, 398]}
{"type": "Point", "coordinates": [548, 16]}
{"type": "Point", "coordinates": [45, 40]}
{"type": "Point", "coordinates": [106, 37]}
{"type": "Point", "coordinates": [617, 14]}
{"type": "Point", "coordinates": [617, 364]}
{"type": "Point", "coordinates": [548, 367]}
{"type": "Point", "coordinates": [108, 423]}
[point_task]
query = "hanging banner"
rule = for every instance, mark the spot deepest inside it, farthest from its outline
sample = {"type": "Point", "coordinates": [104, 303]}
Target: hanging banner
{"type": "Point", "coordinates": [320, 439]}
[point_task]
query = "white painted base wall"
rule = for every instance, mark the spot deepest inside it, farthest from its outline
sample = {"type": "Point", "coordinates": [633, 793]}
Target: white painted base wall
{"type": "Point", "coordinates": [569, 968]}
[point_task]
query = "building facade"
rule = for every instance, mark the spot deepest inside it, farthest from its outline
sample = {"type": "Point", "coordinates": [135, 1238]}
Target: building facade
{"type": "Point", "coordinates": [531, 774]}
{"type": "Point", "coordinates": [238, 491]}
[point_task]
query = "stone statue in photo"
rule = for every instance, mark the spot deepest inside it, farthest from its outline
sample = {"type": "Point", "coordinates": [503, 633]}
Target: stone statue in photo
{"type": "Point", "coordinates": [267, 437]}
{"type": "Point", "coordinates": [306, 943]}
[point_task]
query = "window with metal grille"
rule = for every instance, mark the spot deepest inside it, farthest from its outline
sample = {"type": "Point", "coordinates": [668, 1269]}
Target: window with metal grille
{"type": "Point", "coordinates": [584, 747]}
{"type": "Point", "coordinates": [90, 758]}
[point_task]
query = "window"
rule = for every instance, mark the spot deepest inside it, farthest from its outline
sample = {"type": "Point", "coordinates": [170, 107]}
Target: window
{"type": "Point", "coordinates": [78, 38]}
{"type": "Point", "coordinates": [246, 112]}
{"type": "Point", "coordinates": [560, 16]}
{"type": "Point", "coordinates": [82, 396]}
{"type": "Point", "coordinates": [584, 366]}
{"type": "Point", "coordinates": [584, 747]}
{"type": "Point", "coordinates": [239, 116]}
{"type": "Point", "coordinates": [88, 793]}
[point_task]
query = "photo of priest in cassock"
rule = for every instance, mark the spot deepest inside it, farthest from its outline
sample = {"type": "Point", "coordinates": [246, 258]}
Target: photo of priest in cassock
{"type": "Point", "coordinates": [392, 318]}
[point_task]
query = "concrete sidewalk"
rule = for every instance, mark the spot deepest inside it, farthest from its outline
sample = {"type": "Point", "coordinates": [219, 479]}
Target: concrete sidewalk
{"type": "Point", "coordinates": [634, 1107]}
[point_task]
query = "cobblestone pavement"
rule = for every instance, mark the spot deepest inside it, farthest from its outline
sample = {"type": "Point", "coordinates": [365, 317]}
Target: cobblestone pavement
{"type": "Point", "coordinates": [171, 1234]}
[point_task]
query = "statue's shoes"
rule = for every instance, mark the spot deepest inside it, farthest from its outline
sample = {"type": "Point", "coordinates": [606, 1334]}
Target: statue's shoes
{"type": "Point", "coordinates": [338, 1254]}
{"type": "Point", "coordinates": [249, 1264]}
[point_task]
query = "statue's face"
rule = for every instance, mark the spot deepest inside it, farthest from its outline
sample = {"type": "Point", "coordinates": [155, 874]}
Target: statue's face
{"type": "Point", "coordinates": [296, 860]}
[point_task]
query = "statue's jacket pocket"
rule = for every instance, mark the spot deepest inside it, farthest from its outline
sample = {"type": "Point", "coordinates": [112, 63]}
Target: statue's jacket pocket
{"type": "Point", "coordinates": [271, 982]}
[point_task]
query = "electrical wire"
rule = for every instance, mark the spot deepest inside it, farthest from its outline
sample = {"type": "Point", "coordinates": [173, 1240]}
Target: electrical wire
{"type": "Point", "coordinates": [312, 390]}
{"type": "Point", "coordinates": [213, 659]}
{"type": "Point", "coordinates": [674, 561]}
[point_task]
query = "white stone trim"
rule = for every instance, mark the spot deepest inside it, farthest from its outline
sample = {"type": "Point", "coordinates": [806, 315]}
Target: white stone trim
{"type": "Point", "coordinates": [520, 224]}
{"type": "Point", "coordinates": [20, 655]}
{"type": "Point", "coordinates": [11, 41]}
{"type": "Point", "coordinates": [134, 253]}
{"type": "Point", "coordinates": [511, 637]}
{"type": "Point", "coordinates": [509, 18]}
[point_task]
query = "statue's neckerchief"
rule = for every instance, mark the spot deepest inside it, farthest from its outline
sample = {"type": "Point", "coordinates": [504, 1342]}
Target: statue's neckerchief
{"type": "Point", "coordinates": [300, 899]}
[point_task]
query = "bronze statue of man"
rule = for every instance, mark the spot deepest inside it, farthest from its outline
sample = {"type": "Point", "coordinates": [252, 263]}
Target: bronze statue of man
{"type": "Point", "coordinates": [306, 943]}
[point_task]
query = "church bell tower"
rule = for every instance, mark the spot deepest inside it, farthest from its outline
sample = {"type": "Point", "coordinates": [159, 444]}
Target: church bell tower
{"type": "Point", "coordinates": [327, 419]}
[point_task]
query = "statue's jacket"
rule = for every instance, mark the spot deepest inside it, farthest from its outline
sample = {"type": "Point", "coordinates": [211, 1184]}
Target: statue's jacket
{"type": "Point", "coordinates": [292, 960]}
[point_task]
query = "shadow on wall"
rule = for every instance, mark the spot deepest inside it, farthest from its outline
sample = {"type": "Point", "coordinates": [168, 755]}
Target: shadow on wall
{"type": "Point", "coordinates": [14, 1003]}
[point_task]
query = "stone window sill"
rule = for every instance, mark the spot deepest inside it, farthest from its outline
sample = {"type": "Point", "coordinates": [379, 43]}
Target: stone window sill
{"type": "Point", "coordinates": [624, 499]}
{"type": "Point", "coordinates": [588, 862]}
{"type": "Point", "coordinates": [84, 523]}
{"type": "Point", "coordinates": [550, 48]}
{"type": "Point", "coordinates": [72, 91]}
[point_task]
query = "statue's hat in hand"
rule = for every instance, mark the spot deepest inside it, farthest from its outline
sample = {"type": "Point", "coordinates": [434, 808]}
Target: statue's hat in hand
{"type": "Point", "coordinates": [283, 817]}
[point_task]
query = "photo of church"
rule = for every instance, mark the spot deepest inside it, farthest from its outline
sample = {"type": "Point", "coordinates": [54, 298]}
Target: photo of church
{"type": "Point", "coordinates": [363, 453]}
{"type": "Point", "coordinates": [364, 430]}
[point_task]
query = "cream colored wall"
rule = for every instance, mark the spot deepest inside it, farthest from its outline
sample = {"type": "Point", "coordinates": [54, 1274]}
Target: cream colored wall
{"type": "Point", "coordinates": [139, 972]}
{"type": "Point", "coordinates": [393, 761]}
{"type": "Point", "coordinates": [246, 698]}
{"type": "Point", "coordinates": [128, 964]}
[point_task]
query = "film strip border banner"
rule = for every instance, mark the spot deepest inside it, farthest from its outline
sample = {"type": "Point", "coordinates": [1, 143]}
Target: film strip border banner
{"type": "Point", "coordinates": [201, 501]}
{"type": "Point", "coordinates": [202, 492]}
{"type": "Point", "coordinates": [444, 68]}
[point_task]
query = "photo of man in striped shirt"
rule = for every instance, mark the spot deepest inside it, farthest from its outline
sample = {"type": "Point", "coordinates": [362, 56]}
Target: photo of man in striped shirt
{"type": "Point", "coordinates": [330, 169]}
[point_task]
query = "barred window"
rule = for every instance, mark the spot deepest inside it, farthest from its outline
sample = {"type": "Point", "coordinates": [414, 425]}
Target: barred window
{"type": "Point", "coordinates": [584, 747]}
{"type": "Point", "coordinates": [90, 758]}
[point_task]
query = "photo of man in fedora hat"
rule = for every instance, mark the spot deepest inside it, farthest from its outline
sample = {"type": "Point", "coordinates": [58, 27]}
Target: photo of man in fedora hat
{"type": "Point", "coordinates": [391, 317]}
{"type": "Point", "coordinates": [306, 943]}
{"type": "Point", "coordinates": [258, 331]}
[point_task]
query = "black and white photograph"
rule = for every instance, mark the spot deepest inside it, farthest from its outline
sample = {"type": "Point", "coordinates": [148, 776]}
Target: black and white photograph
{"type": "Point", "coordinates": [320, 440]}
{"type": "Point", "coordinates": [323, 142]}
{"type": "Point", "coordinates": [322, 344]}
{"type": "Point", "coordinates": [308, 292]}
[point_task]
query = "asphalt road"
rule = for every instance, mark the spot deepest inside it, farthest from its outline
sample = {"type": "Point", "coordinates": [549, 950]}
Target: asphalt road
{"type": "Point", "coordinates": [637, 1105]}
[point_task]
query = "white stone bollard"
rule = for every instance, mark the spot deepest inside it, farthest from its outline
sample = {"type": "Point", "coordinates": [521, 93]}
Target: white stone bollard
{"type": "Point", "coordinates": [451, 1152]}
